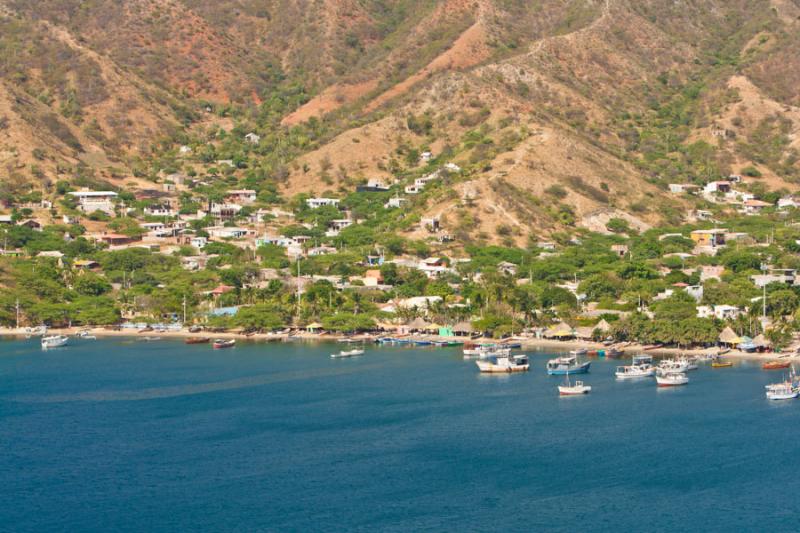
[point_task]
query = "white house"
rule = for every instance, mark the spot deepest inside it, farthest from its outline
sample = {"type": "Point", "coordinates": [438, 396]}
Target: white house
{"type": "Point", "coordinates": [335, 226]}
{"type": "Point", "coordinates": [199, 242]}
{"type": "Point", "coordinates": [412, 189]}
{"type": "Point", "coordinates": [752, 207]}
{"type": "Point", "coordinates": [315, 203]}
{"type": "Point", "coordinates": [680, 188]}
{"type": "Point", "coordinates": [91, 201]}
{"type": "Point", "coordinates": [159, 210]}
{"type": "Point", "coordinates": [225, 232]}
{"type": "Point", "coordinates": [775, 275]}
{"type": "Point", "coordinates": [721, 312]}
{"type": "Point", "coordinates": [252, 138]}
{"type": "Point", "coordinates": [395, 202]}
{"type": "Point", "coordinates": [788, 202]}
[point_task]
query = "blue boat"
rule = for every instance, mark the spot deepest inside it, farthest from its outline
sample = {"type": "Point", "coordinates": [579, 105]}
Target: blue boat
{"type": "Point", "coordinates": [423, 343]}
{"type": "Point", "coordinates": [561, 366]}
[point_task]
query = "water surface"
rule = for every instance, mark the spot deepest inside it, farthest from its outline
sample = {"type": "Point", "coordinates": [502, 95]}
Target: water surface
{"type": "Point", "coordinates": [131, 436]}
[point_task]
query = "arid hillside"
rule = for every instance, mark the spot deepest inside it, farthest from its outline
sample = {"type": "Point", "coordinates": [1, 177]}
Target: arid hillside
{"type": "Point", "coordinates": [559, 114]}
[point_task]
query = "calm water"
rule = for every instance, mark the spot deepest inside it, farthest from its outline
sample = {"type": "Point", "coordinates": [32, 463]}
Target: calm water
{"type": "Point", "coordinates": [124, 436]}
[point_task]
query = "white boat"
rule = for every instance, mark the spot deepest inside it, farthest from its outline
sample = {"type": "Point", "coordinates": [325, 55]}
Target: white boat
{"type": "Point", "coordinates": [674, 366]}
{"type": "Point", "coordinates": [579, 352]}
{"type": "Point", "coordinates": [561, 366]}
{"type": "Point", "coordinates": [486, 352]}
{"type": "Point", "coordinates": [54, 341]}
{"type": "Point", "coordinates": [568, 389]}
{"type": "Point", "coordinates": [635, 371]}
{"type": "Point", "coordinates": [85, 334]}
{"type": "Point", "coordinates": [671, 379]}
{"type": "Point", "coordinates": [497, 365]}
{"type": "Point", "coordinates": [782, 391]}
{"type": "Point", "coordinates": [642, 359]}
{"type": "Point", "coordinates": [347, 353]}
{"type": "Point", "coordinates": [690, 362]}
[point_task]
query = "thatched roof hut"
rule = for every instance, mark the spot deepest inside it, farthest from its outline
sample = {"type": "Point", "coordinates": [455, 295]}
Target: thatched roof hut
{"type": "Point", "coordinates": [463, 328]}
{"type": "Point", "coordinates": [559, 331]}
{"type": "Point", "coordinates": [728, 336]}
{"type": "Point", "coordinates": [418, 324]}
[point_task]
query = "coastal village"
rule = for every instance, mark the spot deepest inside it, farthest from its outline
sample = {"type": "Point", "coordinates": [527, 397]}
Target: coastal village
{"type": "Point", "coordinates": [187, 252]}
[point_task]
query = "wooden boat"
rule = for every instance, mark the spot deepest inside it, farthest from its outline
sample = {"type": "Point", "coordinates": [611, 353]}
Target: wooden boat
{"type": "Point", "coordinates": [497, 365]}
{"type": "Point", "coordinates": [671, 379]}
{"type": "Point", "coordinates": [219, 344]}
{"type": "Point", "coordinates": [719, 363]}
{"type": "Point", "coordinates": [347, 353]}
{"type": "Point", "coordinates": [568, 389]}
{"type": "Point", "coordinates": [776, 365]}
{"type": "Point", "coordinates": [54, 341]}
{"type": "Point", "coordinates": [561, 366]}
{"type": "Point", "coordinates": [197, 340]}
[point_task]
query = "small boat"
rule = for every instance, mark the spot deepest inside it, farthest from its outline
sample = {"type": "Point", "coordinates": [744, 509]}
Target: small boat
{"type": "Point", "coordinates": [578, 353]}
{"type": "Point", "coordinates": [54, 341]}
{"type": "Point", "coordinates": [671, 379]}
{"type": "Point", "coordinates": [197, 340]}
{"type": "Point", "coordinates": [219, 344]}
{"type": "Point", "coordinates": [719, 363]}
{"type": "Point", "coordinates": [568, 389]}
{"type": "Point", "coordinates": [561, 366]}
{"type": "Point", "coordinates": [346, 340]}
{"type": "Point", "coordinates": [422, 342]}
{"type": "Point", "coordinates": [497, 365]}
{"type": "Point", "coordinates": [512, 345]}
{"type": "Point", "coordinates": [613, 353]}
{"type": "Point", "coordinates": [151, 339]}
{"type": "Point", "coordinates": [776, 365]}
{"type": "Point", "coordinates": [673, 365]}
{"type": "Point", "coordinates": [486, 352]}
{"type": "Point", "coordinates": [642, 359]}
{"type": "Point", "coordinates": [690, 362]}
{"type": "Point", "coordinates": [635, 371]}
{"type": "Point", "coordinates": [347, 353]}
{"type": "Point", "coordinates": [782, 391]}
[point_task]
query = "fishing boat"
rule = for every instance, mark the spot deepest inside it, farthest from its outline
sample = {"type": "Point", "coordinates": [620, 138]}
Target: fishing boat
{"type": "Point", "coordinates": [578, 353]}
{"type": "Point", "coordinates": [776, 365]}
{"type": "Point", "coordinates": [485, 352]}
{"type": "Point", "coordinates": [54, 341]}
{"type": "Point", "coordinates": [422, 342]}
{"type": "Point", "coordinates": [568, 389]}
{"type": "Point", "coordinates": [347, 353]}
{"type": "Point", "coordinates": [782, 391]}
{"type": "Point", "coordinates": [673, 365]}
{"type": "Point", "coordinates": [690, 362]}
{"type": "Point", "coordinates": [635, 371]}
{"type": "Point", "coordinates": [642, 359]}
{"type": "Point", "coordinates": [671, 379]}
{"type": "Point", "coordinates": [151, 339]}
{"type": "Point", "coordinates": [498, 365]}
{"type": "Point", "coordinates": [613, 353]}
{"type": "Point", "coordinates": [561, 366]}
{"type": "Point", "coordinates": [220, 344]}
{"type": "Point", "coordinates": [197, 340]}
{"type": "Point", "coordinates": [719, 363]}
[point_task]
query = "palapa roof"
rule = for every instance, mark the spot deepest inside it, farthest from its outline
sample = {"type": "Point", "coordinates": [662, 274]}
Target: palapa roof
{"type": "Point", "coordinates": [463, 327]}
{"type": "Point", "coordinates": [314, 325]}
{"type": "Point", "coordinates": [603, 325]}
{"type": "Point", "coordinates": [418, 323]}
{"type": "Point", "coordinates": [584, 332]}
{"type": "Point", "coordinates": [729, 336]}
{"type": "Point", "coordinates": [761, 341]}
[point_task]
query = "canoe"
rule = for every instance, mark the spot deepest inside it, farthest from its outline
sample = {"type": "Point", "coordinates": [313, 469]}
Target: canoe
{"type": "Point", "coordinates": [776, 365]}
{"type": "Point", "coordinates": [197, 340]}
{"type": "Point", "coordinates": [721, 364]}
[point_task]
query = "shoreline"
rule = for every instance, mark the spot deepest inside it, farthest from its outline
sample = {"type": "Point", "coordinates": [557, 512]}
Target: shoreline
{"type": "Point", "coordinates": [528, 343]}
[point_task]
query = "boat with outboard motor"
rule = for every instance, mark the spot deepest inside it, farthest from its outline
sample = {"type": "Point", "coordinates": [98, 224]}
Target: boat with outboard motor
{"type": "Point", "coordinates": [564, 365]}
{"type": "Point", "coordinates": [576, 389]}
{"type": "Point", "coordinates": [635, 371]}
{"type": "Point", "coordinates": [347, 353]}
{"type": "Point", "coordinates": [671, 379]}
{"type": "Point", "coordinates": [54, 341]}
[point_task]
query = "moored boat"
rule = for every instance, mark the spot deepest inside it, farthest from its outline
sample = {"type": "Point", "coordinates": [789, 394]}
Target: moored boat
{"type": "Point", "coordinates": [671, 379]}
{"type": "Point", "coordinates": [673, 365]}
{"type": "Point", "coordinates": [561, 366]}
{"type": "Point", "coordinates": [635, 371]}
{"type": "Point", "coordinates": [776, 365]}
{"type": "Point", "coordinates": [54, 341]}
{"type": "Point", "coordinates": [782, 391]}
{"type": "Point", "coordinates": [197, 340]}
{"type": "Point", "coordinates": [576, 389]}
{"type": "Point", "coordinates": [578, 353]}
{"type": "Point", "coordinates": [719, 363]}
{"type": "Point", "coordinates": [220, 344]}
{"type": "Point", "coordinates": [642, 359]}
{"type": "Point", "coordinates": [347, 353]}
{"type": "Point", "coordinates": [501, 365]}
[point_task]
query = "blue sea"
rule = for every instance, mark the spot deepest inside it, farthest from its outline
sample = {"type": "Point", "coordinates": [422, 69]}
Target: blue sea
{"type": "Point", "coordinates": [118, 435]}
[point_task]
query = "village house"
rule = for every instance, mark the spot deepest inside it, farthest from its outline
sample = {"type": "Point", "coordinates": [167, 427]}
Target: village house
{"type": "Point", "coordinates": [720, 312]}
{"type": "Point", "coordinates": [433, 266]}
{"type": "Point", "coordinates": [198, 242]}
{"type": "Point", "coordinates": [412, 189]}
{"type": "Point", "coordinates": [86, 264]}
{"type": "Point", "coordinates": [315, 203]}
{"type": "Point", "coordinates": [754, 207]}
{"type": "Point", "coordinates": [717, 187]}
{"type": "Point", "coordinates": [786, 276]}
{"type": "Point", "coordinates": [320, 250]}
{"type": "Point", "coordinates": [241, 196]}
{"type": "Point", "coordinates": [708, 272]}
{"type": "Point", "coordinates": [226, 211]}
{"type": "Point", "coordinates": [708, 238]}
{"type": "Point", "coordinates": [680, 188]}
{"type": "Point", "coordinates": [546, 245]}
{"type": "Point", "coordinates": [430, 224]}
{"type": "Point", "coordinates": [425, 156]}
{"type": "Point", "coordinates": [159, 210]}
{"type": "Point", "coordinates": [252, 138]}
{"type": "Point", "coordinates": [337, 225]}
{"type": "Point", "coordinates": [702, 214]}
{"type": "Point", "coordinates": [372, 185]}
{"type": "Point", "coordinates": [6, 219]}
{"type": "Point", "coordinates": [225, 232]}
{"type": "Point", "coordinates": [507, 268]}
{"type": "Point", "coordinates": [91, 201]}
{"type": "Point", "coordinates": [620, 249]}
{"type": "Point", "coordinates": [395, 202]}
{"type": "Point", "coordinates": [32, 224]}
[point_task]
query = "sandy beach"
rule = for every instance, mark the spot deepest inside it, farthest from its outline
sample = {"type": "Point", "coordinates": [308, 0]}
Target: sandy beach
{"type": "Point", "coordinates": [528, 343]}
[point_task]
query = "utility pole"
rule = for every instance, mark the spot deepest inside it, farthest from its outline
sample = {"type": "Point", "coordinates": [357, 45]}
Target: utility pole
{"type": "Point", "coordinates": [17, 309]}
{"type": "Point", "coordinates": [184, 310]}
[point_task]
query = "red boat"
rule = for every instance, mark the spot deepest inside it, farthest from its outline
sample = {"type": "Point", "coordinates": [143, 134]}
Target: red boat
{"type": "Point", "coordinates": [775, 365]}
{"type": "Point", "coordinates": [197, 340]}
{"type": "Point", "coordinates": [219, 344]}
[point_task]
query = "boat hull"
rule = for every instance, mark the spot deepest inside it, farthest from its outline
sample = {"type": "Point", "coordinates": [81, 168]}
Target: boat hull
{"type": "Point", "coordinates": [579, 369]}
